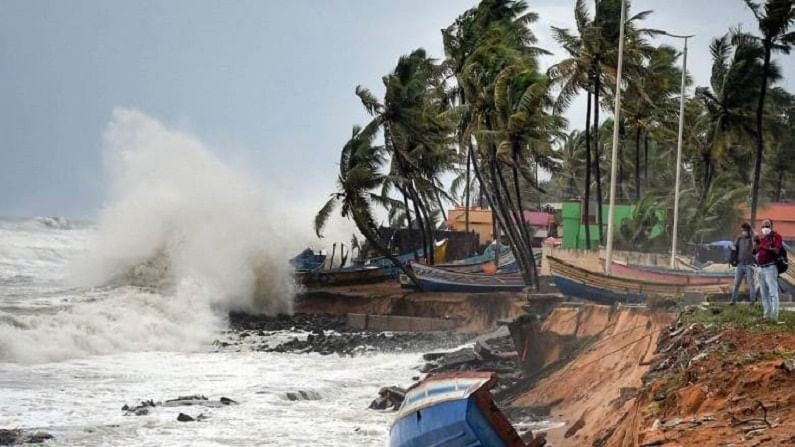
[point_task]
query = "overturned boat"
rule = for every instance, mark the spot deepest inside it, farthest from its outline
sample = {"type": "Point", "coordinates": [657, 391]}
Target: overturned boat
{"type": "Point", "coordinates": [455, 410]}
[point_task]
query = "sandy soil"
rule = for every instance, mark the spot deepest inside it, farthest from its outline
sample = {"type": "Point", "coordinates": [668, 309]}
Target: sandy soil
{"type": "Point", "coordinates": [597, 387]}
{"type": "Point", "coordinates": [729, 388]}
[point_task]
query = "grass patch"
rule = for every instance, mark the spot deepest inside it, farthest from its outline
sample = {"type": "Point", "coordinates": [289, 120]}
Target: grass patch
{"type": "Point", "coordinates": [742, 316]}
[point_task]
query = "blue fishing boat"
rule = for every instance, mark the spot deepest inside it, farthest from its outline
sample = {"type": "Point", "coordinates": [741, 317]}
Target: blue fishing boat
{"type": "Point", "coordinates": [453, 410]}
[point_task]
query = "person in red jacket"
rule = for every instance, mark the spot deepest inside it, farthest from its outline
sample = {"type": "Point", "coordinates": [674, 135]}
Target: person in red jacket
{"type": "Point", "coordinates": [768, 250]}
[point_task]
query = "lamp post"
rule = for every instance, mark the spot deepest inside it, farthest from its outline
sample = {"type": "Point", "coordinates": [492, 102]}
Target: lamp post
{"type": "Point", "coordinates": [679, 148]}
{"type": "Point", "coordinates": [614, 156]}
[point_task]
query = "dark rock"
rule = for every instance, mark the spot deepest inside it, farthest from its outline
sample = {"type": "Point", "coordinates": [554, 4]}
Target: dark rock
{"type": "Point", "coordinates": [17, 436]}
{"type": "Point", "coordinates": [10, 437]}
{"type": "Point", "coordinates": [379, 403]}
{"type": "Point", "coordinates": [38, 437]}
{"type": "Point", "coordinates": [389, 398]}
{"type": "Point", "coordinates": [141, 411]}
{"type": "Point", "coordinates": [184, 418]}
{"type": "Point", "coordinates": [228, 401]}
{"type": "Point", "coordinates": [302, 395]}
{"type": "Point", "coordinates": [788, 365]}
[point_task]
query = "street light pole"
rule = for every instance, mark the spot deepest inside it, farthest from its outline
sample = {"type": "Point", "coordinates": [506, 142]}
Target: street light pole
{"type": "Point", "coordinates": [679, 150]}
{"type": "Point", "coordinates": [614, 157]}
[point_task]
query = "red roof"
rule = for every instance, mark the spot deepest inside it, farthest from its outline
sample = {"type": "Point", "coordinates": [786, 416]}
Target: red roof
{"type": "Point", "coordinates": [538, 218]}
{"type": "Point", "coordinates": [783, 216]}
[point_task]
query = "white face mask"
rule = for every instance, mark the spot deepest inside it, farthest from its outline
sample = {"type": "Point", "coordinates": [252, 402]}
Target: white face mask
{"type": "Point", "coordinates": [766, 231]}
{"type": "Point", "coordinates": [745, 234]}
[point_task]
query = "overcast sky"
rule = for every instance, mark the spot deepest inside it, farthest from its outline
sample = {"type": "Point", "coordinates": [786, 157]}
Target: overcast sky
{"type": "Point", "coordinates": [268, 85]}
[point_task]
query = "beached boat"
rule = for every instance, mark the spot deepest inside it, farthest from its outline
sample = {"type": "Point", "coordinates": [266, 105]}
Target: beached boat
{"type": "Point", "coordinates": [507, 265]}
{"type": "Point", "coordinates": [595, 286]}
{"type": "Point", "coordinates": [432, 279]}
{"type": "Point", "coordinates": [439, 254]}
{"type": "Point", "coordinates": [343, 277]}
{"type": "Point", "coordinates": [454, 410]}
{"type": "Point", "coordinates": [679, 277]}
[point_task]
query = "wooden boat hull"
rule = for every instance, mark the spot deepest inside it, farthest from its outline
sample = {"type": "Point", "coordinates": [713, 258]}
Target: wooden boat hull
{"type": "Point", "coordinates": [581, 283]}
{"type": "Point", "coordinates": [453, 410]}
{"type": "Point", "coordinates": [433, 279]}
{"type": "Point", "coordinates": [343, 277]}
{"type": "Point", "coordinates": [678, 277]}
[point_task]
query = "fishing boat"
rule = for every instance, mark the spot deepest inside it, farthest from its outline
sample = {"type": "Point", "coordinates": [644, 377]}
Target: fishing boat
{"type": "Point", "coordinates": [343, 277]}
{"type": "Point", "coordinates": [455, 410]}
{"type": "Point", "coordinates": [596, 286]}
{"type": "Point", "coordinates": [679, 277]}
{"type": "Point", "coordinates": [507, 265]}
{"type": "Point", "coordinates": [432, 279]}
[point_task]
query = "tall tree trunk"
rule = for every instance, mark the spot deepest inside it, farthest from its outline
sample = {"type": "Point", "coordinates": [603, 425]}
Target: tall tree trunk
{"type": "Point", "coordinates": [622, 130]}
{"type": "Point", "coordinates": [420, 222]}
{"type": "Point", "coordinates": [333, 253]}
{"type": "Point", "coordinates": [637, 164]}
{"type": "Point", "coordinates": [586, 208]}
{"type": "Point", "coordinates": [408, 219]}
{"type": "Point", "coordinates": [779, 185]}
{"type": "Point", "coordinates": [646, 159]}
{"type": "Point", "coordinates": [760, 141]}
{"type": "Point", "coordinates": [468, 187]}
{"type": "Point", "coordinates": [524, 226]}
{"type": "Point", "coordinates": [426, 210]}
{"type": "Point", "coordinates": [492, 202]}
{"type": "Point", "coordinates": [441, 205]}
{"type": "Point", "coordinates": [368, 229]}
{"type": "Point", "coordinates": [597, 152]}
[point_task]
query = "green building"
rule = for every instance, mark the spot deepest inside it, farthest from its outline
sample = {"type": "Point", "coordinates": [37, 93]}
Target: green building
{"type": "Point", "coordinates": [574, 223]}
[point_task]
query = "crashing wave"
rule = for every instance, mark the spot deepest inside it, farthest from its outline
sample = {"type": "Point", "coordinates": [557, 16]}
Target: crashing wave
{"type": "Point", "coordinates": [58, 223]}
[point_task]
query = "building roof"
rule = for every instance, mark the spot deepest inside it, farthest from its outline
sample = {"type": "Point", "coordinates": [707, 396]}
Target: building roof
{"type": "Point", "coordinates": [538, 218]}
{"type": "Point", "coordinates": [783, 216]}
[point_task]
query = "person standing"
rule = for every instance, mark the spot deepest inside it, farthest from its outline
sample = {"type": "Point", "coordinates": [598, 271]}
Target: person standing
{"type": "Point", "coordinates": [768, 250]}
{"type": "Point", "coordinates": [742, 258]}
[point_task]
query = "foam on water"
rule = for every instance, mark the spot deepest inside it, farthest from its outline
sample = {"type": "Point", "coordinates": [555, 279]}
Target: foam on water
{"type": "Point", "coordinates": [96, 316]}
{"type": "Point", "coordinates": [183, 240]}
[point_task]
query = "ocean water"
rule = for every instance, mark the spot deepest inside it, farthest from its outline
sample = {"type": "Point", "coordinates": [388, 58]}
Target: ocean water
{"type": "Point", "coordinates": [71, 357]}
{"type": "Point", "coordinates": [95, 316]}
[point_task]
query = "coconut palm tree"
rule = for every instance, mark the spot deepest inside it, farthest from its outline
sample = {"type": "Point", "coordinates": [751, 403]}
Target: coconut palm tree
{"type": "Point", "coordinates": [417, 135]}
{"type": "Point", "coordinates": [774, 17]}
{"type": "Point", "coordinates": [737, 66]}
{"type": "Point", "coordinates": [480, 45]}
{"type": "Point", "coordinates": [592, 64]}
{"type": "Point", "coordinates": [361, 164]}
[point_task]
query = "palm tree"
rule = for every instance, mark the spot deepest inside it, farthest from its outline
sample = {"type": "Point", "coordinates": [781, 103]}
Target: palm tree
{"type": "Point", "coordinates": [418, 136]}
{"type": "Point", "coordinates": [650, 101]}
{"type": "Point", "coordinates": [775, 19]}
{"type": "Point", "coordinates": [736, 65]}
{"type": "Point", "coordinates": [360, 174]}
{"type": "Point", "coordinates": [592, 64]}
{"type": "Point", "coordinates": [480, 45]}
{"type": "Point", "coordinates": [570, 167]}
{"type": "Point", "coordinates": [573, 74]}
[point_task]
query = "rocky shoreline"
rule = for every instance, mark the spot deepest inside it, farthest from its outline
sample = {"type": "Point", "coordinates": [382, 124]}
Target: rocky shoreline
{"type": "Point", "coordinates": [439, 352]}
{"type": "Point", "coordinates": [324, 334]}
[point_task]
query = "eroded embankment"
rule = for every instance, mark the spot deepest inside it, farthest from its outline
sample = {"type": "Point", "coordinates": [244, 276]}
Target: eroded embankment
{"type": "Point", "coordinates": [717, 381]}
{"type": "Point", "coordinates": [586, 364]}
{"type": "Point", "coordinates": [472, 312]}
